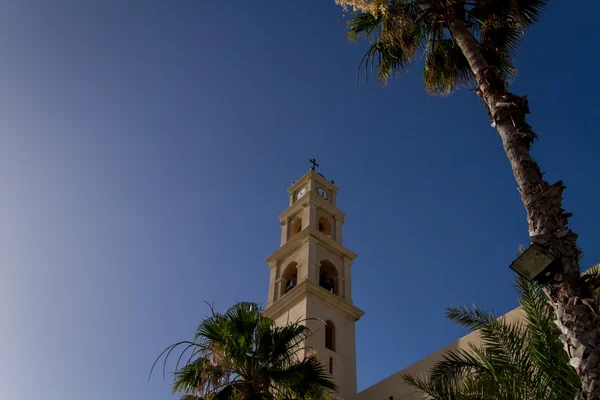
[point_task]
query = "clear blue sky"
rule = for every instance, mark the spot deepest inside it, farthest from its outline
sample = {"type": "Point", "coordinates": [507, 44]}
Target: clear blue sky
{"type": "Point", "coordinates": [145, 153]}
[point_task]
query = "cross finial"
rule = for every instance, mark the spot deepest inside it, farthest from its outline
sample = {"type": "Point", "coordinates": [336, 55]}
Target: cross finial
{"type": "Point", "coordinates": [314, 163]}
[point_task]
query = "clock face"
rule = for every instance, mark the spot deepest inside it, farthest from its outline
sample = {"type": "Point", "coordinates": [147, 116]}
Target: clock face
{"type": "Point", "coordinates": [300, 193]}
{"type": "Point", "coordinates": [323, 193]}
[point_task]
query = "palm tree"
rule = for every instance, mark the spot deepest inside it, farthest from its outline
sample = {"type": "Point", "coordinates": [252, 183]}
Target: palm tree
{"type": "Point", "coordinates": [515, 360]}
{"type": "Point", "coordinates": [241, 355]}
{"type": "Point", "coordinates": [467, 42]}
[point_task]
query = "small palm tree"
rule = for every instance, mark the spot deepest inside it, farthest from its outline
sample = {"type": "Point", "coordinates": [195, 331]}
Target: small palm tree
{"type": "Point", "coordinates": [466, 42]}
{"type": "Point", "coordinates": [242, 355]}
{"type": "Point", "coordinates": [515, 360]}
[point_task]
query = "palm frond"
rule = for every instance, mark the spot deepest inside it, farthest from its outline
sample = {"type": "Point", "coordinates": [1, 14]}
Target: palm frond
{"type": "Point", "coordinates": [190, 377]}
{"type": "Point", "coordinates": [456, 365]}
{"type": "Point", "coordinates": [307, 378]}
{"type": "Point", "coordinates": [552, 363]}
{"type": "Point", "coordinates": [363, 25]}
{"type": "Point", "coordinates": [446, 68]}
{"type": "Point", "coordinates": [242, 352]}
{"type": "Point", "coordinates": [226, 393]}
{"type": "Point", "coordinates": [190, 397]}
{"type": "Point", "coordinates": [396, 38]}
{"type": "Point", "coordinates": [470, 318]}
{"type": "Point", "coordinates": [499, 45]}
{"type": "Point", "coordinates": [591, 278]}
{"type": "Point", "coordinates": [390, 60]}
{"type": "Point", "coordinates": [435, 389]}
{"type": "Point", "coordinates": [521, 14]}
{"type": "Point", "coordinates": [513, 360]}
{"type": "Point", "coordinates": [527, 12]}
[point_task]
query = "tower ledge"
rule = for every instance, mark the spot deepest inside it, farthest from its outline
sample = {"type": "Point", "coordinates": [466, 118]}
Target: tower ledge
{"type": "Point", "coordinates": [305, 288]}
{"type": "Point", "coordinates": [305, 202]}
{"type": "Point", "coordinates": [302, 237]}
{"type": "Point", "coordinates": [308, 176]}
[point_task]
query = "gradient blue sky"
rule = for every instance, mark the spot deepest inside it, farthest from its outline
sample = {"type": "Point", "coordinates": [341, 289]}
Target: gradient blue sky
{"type": "Point", "coordinates": [145, 153]}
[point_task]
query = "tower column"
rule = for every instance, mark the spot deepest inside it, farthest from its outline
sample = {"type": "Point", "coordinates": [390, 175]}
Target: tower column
{"type": "Point", "coordinates": [338, 229]}
{"type": "Point", "coordinates": [313, 263]}
{"type": "Point", "coordinates": [348, 280]}
{"type": "Point", "coordinates": [272, 286]}
{"type": "Point", "coordinates": [285, 230]}
{"type": "Point", "coordinates": [312, 215]}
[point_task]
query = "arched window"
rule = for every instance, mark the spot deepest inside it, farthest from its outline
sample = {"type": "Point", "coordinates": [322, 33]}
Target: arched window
{"type": "Point", "coordinates": [296, 226]}
{"type": "Point", "coordinates": [289, 278]}
{"type": "Point", "coordinates": [330, 335]}
{"type": "Point", "coordinates": [324, 226]}
{"type": "Point", "coordinates": [328, 277]}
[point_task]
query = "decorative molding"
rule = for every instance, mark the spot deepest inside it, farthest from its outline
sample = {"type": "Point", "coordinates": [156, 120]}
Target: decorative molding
{"type": "Point", "coordinates": [314, 176]}
{"type": "Point", "coordinates": [332, 245]}
{"type": "Point", "coordinates": [286, 301]}
{"type": "Point", "coordinates": [335, 301]}
{"type": "Point", "coordinates": [288, 247]}
{"type": "Point", "coordinates": [312, 197]}
{"type": "Point", "coordinates": [305, 288]}
{"type": "Point", "coordinates": [304, 236]}
{"type": "Point", "coordinates": [300, 182]}
{"type": "Point", "coordinates": [295, 208]}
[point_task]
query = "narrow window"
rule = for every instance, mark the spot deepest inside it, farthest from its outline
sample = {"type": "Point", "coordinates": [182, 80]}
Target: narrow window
{"type": "Point", "coordinates": [330, 335]}
{"type": "Point", "coordinates": [331, 366]}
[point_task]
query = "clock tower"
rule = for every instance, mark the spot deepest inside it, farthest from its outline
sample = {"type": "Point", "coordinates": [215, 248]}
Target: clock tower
{"type": "Point", "coordinates": [311, 277]}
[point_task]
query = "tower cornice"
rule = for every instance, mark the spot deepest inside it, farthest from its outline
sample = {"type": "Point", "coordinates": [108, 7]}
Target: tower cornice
{"type": "Point", "coordinates": [302, 291]}
{"type": "Point", "coordinates": [304, 236]}
{"type": "Point", "coordinates": [308, 176]}
{"type": "Point", "coordinates": [311, 197]}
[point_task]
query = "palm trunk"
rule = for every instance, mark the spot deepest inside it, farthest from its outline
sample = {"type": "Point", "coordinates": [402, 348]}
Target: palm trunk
{"type": "Point", "coordinates": [570, 297]}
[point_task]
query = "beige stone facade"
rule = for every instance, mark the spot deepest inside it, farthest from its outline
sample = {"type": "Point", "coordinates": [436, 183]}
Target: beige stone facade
{"type": "Point", "coordinates": [311, 281]}
{"type": "Point", "coordinates": [311, 278]}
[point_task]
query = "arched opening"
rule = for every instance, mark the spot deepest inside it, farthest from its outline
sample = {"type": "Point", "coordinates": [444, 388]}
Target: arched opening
{"type": "Point", "coordinates": [289, 278]}
{"type": "Point", "coordinates": [331, 365]}
{"type": "Point", "coordinates": [328, 277]}
{"type": "Point", "coordinates": [296, 226]}
{"type": "Point", "coordinates": [330, 336]}
{"type": "Point", "coordinates": [324, 226]}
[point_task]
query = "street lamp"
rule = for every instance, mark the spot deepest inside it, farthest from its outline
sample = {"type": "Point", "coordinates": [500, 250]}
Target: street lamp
{"type": "Point", "coordinates": [536, 264]}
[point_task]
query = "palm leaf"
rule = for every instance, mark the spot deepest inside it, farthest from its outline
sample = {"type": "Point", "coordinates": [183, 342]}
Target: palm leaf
{"type": "Point", "coordinates": [470, 318]}
{"type": "Point", "coordinates": [526, 12]}
{"type": "Point", "coordinates": [439, 389]}
{"type": "Point", "coordinates": [363, 25]}
{"type": "Point", "coordinates": [517, 13]}
{"type": "Point", "coordinates": [446, 68]}
{"type": "Point", "coordinates": [396, 38]}
{"type": "Point", "coordinates": [547, 351]}
{"type": "Point", "coordinates": [456, 365]}
{"type": "Point", "coordinates": [242, 352]}
{"type": "Point", "coordinates": [307, 378]}
{"type": "Point", "coordinates": [409, 28]}
{"type": "Point", "coordinates": [514, 360]}
{"type": "Point", "coordinates": [190, 397]}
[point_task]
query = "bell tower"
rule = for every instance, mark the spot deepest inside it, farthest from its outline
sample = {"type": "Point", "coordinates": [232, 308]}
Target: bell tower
{"type": "Point", "coordinates": [311, 277]}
